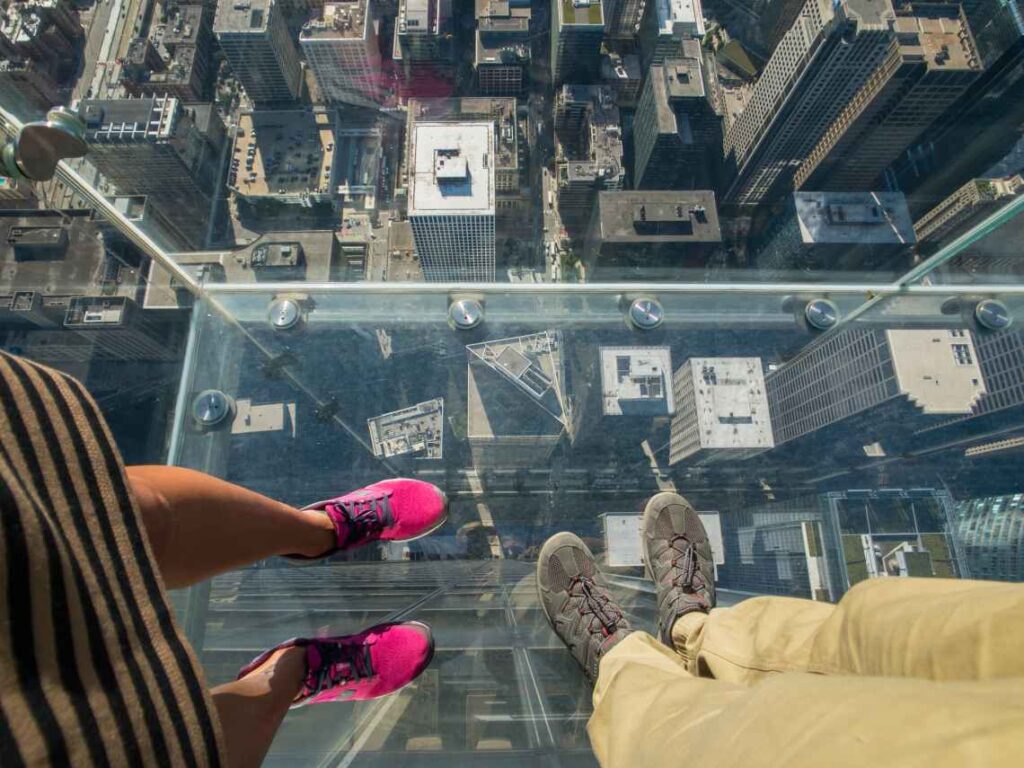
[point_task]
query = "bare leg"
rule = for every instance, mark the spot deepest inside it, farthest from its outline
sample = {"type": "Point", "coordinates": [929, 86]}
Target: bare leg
{"type": "Point", "coordinates": [251, 709]}
{"type": "Point", "coordinates": [199, 526]}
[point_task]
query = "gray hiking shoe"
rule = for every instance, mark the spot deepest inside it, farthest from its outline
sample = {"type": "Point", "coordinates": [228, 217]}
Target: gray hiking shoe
{"type": "Point", "coordinates": [576, 601]}
{"type": "Point", "coordinates": [677, 555]}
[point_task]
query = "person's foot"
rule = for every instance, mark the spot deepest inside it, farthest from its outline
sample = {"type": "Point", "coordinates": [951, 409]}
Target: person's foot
{"type": "Point", "coordinates": [576, 601]}
{"type": "Point", "coordinates": [677, 554]}
{"type": "Point", "coordinates": [391, 510]}
{"type": "Point", "coordinates": [373, 663]}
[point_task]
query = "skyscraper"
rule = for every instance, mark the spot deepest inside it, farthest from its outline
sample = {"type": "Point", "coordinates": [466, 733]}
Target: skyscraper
{"type": "Point", "coordinates": [983, 125]}
{"type": "Point", "coordinates": [931, 65]}
{"type": "Point", "coordinates": [675, 129]}
{"type": "Point", "coordinates": [814, 73]}
{"type": "Point", "coordinates": [451, 199]}
{"type": "Point", "coordinates": [622, 21]}
{"type": "Point", "coordinates": [665, 27]}
{"type": "Point", "coordinates": [156, 147]}
{"type": "Point", "coordinates": [822, 232]}
{"type": "Point", "coordinates": [342, 50]}
{"type": "Point", "coordinates": [654, 232]}
{"type": "Point", "coordinates": [424, 47]}
{"type": "Point", "coordinates": [991, 533]}
{"type": "Point", "coordinates": [876, 386]}
{"type": "Point", "coordinates": [502, 46]}
{"type": "Point", "coordinates": [721, 411]}
{"type": "Point", "coordinates": [588, 151]}
{"type": "Point", "coordinates": [256, 42]}
{"type": "Point", "coordinates": [577, 29]}
{"type": "Point", "coordinates": [973, 202]}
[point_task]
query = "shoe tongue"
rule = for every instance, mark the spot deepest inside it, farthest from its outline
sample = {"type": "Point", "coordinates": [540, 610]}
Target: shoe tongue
{"type": "Point", "coordinates": [342, 529]}
{"type": "Point", "coordinates": [313, 659]}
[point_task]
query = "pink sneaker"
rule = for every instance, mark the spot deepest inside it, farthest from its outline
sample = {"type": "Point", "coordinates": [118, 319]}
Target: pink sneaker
{"type": "Point", "coordinates": [391, 510]}
{"type": "Point", "coordinates": [374, 663]}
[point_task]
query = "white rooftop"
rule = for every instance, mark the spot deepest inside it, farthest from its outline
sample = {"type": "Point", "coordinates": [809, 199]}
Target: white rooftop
{"type": "Point", "coordinates": [732, 404]}
{"type": "Point", "coordinates": [854, 217]}
{"type": "Point", "coordinates": [937, 369]}
{"type": "Point", "coordinates": [452, 168]}
{"type": "Point", "coordinates": [680, 18]}
{"type": "Point", "coordinates": [636, 381]}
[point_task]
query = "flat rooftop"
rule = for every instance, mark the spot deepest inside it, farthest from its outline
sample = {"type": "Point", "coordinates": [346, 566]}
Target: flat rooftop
{"type": "Point", "coordinates": [871, 13]}
{"type": "Point", "coordinates": [245, 16]}
{"type": "Point", "coordinates": [679, 18]}
{"type": "Point", "coordinates": [452, 168]}
{"type": "Point", "coordinates": [636, 381]}
{"type": "Point", "coordinates": [941, 40]}
{"type": "Point", "coordinates": [292, 151]}
{"type": "Point", "coordinates": [519, 370]}
{"type": "Point", "coordinates": [659, 216]}
{"type": "Point", "coordinates": [418, 429]}
{"type": "Point", "coordinates": [151, 117]}
{"type": "Point", "coordinates": [731, 402]}
{"type": "Point", "coordinates": [581, 12]}
{"type": "Point", "coordinates": [499, 109]}
{"type": "Point", "coordinates": [854, 217]}
{"type": "Point", "coordinates": [346, 20]}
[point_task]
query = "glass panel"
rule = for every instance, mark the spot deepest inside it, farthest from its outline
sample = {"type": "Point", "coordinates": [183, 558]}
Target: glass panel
{"type": "Point", "coordinates": [887, 447]}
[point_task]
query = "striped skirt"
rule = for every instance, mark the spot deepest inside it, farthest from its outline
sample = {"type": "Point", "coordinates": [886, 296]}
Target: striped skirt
{"type": "Point", "coordinates": [93, 667]}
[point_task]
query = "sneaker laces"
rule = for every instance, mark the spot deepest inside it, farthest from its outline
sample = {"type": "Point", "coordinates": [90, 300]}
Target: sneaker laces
{"type": "Point", "coordinates": [597, 603]}
{"type": "Point", "coordinates": [365, 516]}
{"type": "Point", "coordinates": [340, 663]}
{"type": "Point", "coordinates": [686, 574]}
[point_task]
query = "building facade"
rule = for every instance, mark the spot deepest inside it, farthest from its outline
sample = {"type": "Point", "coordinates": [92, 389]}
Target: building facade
{"type": "Point", "coordinates": [991, 533]}
{"type": "Point", "coordinates": [932, 64]}
{"type": "Point", "coordinates": [452, 200]}
{"type": "Point", "coordinates": [970, 204]}
{"type": "Point", "coordinates": [577, 29]}
{"type": "Point", "coordinates": [675, 127]}
{"type": "Point", "coordinates": [342, 50]}
{"type": "Point", "coordinates": [157, 147]}
{"type": "Point", "coordinates": [814, 73]}
{"type": "Point", "coordinates": [502, 46]}
{"type": "Point", "coordinates": [256, 42]}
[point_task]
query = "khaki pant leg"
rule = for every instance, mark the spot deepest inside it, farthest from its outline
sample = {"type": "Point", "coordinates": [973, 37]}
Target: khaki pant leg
{"type": "Point", "coordinates": [939, 629]}
{"type": "Point", "coordinates": [742, 643]}
{"type": "Point", "coordinates": [651, 713]}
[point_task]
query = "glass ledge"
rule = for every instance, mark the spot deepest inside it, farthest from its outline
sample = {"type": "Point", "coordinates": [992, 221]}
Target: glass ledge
{"type": "Point", "coordinates": [819, 460]}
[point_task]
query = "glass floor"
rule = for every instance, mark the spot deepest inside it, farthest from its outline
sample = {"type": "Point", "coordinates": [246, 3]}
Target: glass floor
{"type": "Point", "coordinates": [556, 414]}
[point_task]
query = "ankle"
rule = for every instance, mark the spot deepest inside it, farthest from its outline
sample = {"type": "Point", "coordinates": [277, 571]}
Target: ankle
{"type": "Point", "coordinates": [319, 536]}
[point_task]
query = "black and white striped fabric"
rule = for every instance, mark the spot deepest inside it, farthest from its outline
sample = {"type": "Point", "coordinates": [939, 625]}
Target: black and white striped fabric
{"type": "Point", "coordinates": [93, 667]}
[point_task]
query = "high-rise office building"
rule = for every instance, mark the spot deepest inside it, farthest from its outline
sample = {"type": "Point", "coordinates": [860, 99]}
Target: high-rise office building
{"type": "Point", "coordinates": [651, 232]}
{"type": "Point", "coordinates": [721, 411]}
{"type": "Point", "coordinates": [175, 60]}
{"type": "Point", "coordinates": [502, 46]}
{"type": "Point", "coordinates": [622, 22]}
{"type": "Point", "coordinates": [343, 52]}
{"type": "Point", "coordinates": [973, 202]}
{"type": "Point", "coordinates": [577, 29]}
{"type": "Point", "coordinates": [930, 67]}
{"type": "Point", "coordinates": [636, 381]}
{"type": "Point", "coordinates": [822, 232]}
{"type": "Point", "coordinates": [451, 199]}
{"type": "Point", "coordinates": [814, 73]}
{"type": "Point", "coordinates": [517, 402]}
{"type": "Point", "coordinates": [256, 42]}
{"type": "Point", "coordinates": [157, 147]}
{"type": "Point", "coordinates": [877, 386]}
{"type": "Point", "coordinates": [665, 27]}
{"type": "Point", "coordinates": [983, 125]}
{"type": "Point", "coordinates": [424, 46]}
{"type": "Point", "coordinates": [588, 151]}
{"type": "Point", "coordinates": [675, 128]}
{"type": "Point", "coordinates": [991, 534]}
{"type": "Point", "coordinates": [510, 180]}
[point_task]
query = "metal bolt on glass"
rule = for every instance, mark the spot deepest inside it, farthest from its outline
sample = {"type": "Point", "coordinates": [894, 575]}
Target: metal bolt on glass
{"type": "Point", "coordinates": [39, 147]}
{"type": "Point", "coordinates": [646, 314]}
{"type": "Point", "coordinates": [211, 408]}
{"type": "Point", "coordinates": [285, 314]}
{"type": "Point", "coordinates": [821, 314]}
{"type": "Point", "coordinates": [993, 315]}
{"type": "Point", "coordinates": [465, 314]}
